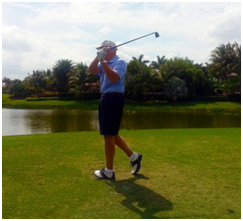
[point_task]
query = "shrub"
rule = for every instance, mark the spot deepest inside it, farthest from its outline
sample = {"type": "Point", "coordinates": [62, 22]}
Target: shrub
{"type": "Point", "coordinates": [234, 97]}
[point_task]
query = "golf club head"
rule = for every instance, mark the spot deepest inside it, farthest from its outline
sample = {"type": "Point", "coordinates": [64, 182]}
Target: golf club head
{"type": "Point", "coordinates": [156, 35]}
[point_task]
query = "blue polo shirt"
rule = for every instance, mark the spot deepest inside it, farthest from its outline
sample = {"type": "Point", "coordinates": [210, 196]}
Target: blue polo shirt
{"type": "Point", "coordinates": [120, 67]}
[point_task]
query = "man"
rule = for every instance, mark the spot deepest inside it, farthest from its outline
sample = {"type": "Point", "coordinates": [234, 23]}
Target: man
{"type": "Point", "coordinates": [112, 72]}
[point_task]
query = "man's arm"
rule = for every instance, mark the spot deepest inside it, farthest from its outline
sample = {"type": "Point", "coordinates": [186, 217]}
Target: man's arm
{"type": "Point", "coordinates": [111, 74]}
{"type": "Point", "coordinates": [93, 67]}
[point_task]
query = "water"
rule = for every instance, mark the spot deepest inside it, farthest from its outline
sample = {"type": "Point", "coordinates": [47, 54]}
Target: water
{"type": "Point", "coordinates": [23, 121]}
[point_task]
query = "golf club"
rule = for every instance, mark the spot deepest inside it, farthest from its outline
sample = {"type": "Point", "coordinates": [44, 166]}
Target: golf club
{"type": "Point", "coordinates": [156, 35]}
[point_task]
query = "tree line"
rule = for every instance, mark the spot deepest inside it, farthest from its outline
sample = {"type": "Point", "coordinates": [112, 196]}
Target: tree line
{"type": "Point", "coordinates": [169, 79]}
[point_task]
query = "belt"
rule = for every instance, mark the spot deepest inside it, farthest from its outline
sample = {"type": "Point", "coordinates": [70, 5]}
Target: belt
{"type": "Point", "coordinates": [113, 94]}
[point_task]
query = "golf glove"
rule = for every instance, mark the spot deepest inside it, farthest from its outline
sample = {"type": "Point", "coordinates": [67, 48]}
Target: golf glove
{"type": "Point", "coordinates": [102, 53]}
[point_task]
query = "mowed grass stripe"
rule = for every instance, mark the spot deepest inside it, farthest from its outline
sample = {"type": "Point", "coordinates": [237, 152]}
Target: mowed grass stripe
{"type": "Point", "coordinates": [186, 173]}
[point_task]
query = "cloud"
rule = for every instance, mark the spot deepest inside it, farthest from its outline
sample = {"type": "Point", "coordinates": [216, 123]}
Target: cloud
{"type": "Point", "coordinates": [226, 26]}
{"type": "Point", "coordinates": [106, 30]}
{"type": "Point", "coordinates": [15, 39]}
{"type": "Point", "coordinates": [36, 35]}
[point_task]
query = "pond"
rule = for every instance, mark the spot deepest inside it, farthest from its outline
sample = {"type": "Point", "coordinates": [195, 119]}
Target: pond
{"type": "Point", "coordinates": [24, 121]}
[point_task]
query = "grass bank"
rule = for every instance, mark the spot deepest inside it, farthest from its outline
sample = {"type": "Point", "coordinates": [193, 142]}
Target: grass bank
{"type": "Point", "coordinates": [186, 174]}
{"type": "Point", "coordinates": [229, 107]}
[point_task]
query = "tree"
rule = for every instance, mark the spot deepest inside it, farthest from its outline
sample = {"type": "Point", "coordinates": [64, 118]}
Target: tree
{"type": "Point", "coordinates": [158, 63]}
{"type": "Point", "coordinates": [141, 80]}
{"type": "Point", "coordinates": [60, 71]}
{"type": "Point", "coordinates": [77, 79]}
{"type": "Point", "coordinates": [17, 88]}
{"type": "Point", "coordinates": [197, 78]}
{"type": "Point", "coordinates": [236, 54]}
{"type": "Point", "coordinates": [177, 67]}
{"type": "Point", "coordinates": [36, 82]}
{"type": "Point", "coordinates": [226, 61]}
{"type": "Point", "coordinates": [140, 60]}
{"type": "Point", "coordinates": [134, 78]}
{"type": "Point", "coordinates": [175, 88]}
{"type": "Point", "coordinates": [51, 81]}
{"type": "Point", "coordinates": [7, 82]}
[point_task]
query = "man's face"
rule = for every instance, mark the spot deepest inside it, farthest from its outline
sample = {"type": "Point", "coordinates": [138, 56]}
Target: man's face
{"type": "Point", "coordinates": [110, 54]}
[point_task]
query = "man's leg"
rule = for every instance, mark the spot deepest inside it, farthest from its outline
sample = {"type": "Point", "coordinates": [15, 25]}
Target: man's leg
{"type": "Point", "coordinates": [135, 158]}
{"type": "Point", "coordinates": [121, 143]}
{"type": "Point", "coordinates": [107, 172]}
{"type": "Point", "coordinates": [109, 151]}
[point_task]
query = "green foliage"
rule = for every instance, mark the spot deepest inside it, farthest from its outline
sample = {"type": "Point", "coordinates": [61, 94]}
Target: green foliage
{"type": "Point", "coordinates": [234, 97]}
{"type": "Point", "coordinates": [36, 82]}
{"type": "Point", "coordinates": [225, 60]}
{"type": "Point", "coordinates": [143, 81]}
{"type": "Point", "coordinates": [60, 71]}
{"type": "Point", "coordinates": [158, 63]}
{"type": "Point", "coordinates": [226, 67]}
{"type": "Point", "coordinates": [176, 88]}
{"type": "Point", "coordinates": [230, 85]}
{"type": "Point", "coordinates": [6, 85]}
{"type": "Point", "coordinates": [16, 88]}
{"type": "Point", "coordinates": [177, 67]}
{"type": "Point", "coordinates": [140, 60]}
{"type": "Point", "coordinates": [197, 79]}
{"type": "Point", "coordinates": [81, 82]}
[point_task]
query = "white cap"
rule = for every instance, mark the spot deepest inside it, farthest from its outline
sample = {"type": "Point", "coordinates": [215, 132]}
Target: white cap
{"type": "Point", "coordinates": [106, 43]}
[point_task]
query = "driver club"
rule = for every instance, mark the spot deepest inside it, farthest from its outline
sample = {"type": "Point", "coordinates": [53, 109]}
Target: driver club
{"type": "Point", "coordinates": [155, 33]}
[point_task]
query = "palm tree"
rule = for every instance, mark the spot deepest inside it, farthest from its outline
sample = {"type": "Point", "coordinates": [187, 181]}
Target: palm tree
{"type": "Point", "coordinates": [60, 71]}
{"type": "Point", "coordinates": [226, 61]}
{"type": "Point", "coordinates": [36, 81]}
{"type": "Point", "coordinates": [159, 62]}
{"type": "Point", "coordinates": [197, 76]}
{"type": "Point", "coordinates": [222, 58]}
{"type": "Point", "coordinates": [140, 60]}
{"type": "Point", "coordinates": [235, 66]}
{"type": "Point", "coordinates": [51, 81]}
{"type": "Point", "coordinates": [77, 79]}
{"type": "Point", "coordinates": [140, 80]}
{"type": "Point", "coordinates": [165, 75]}
{"type": "Point", "coordinates": [80, 81]}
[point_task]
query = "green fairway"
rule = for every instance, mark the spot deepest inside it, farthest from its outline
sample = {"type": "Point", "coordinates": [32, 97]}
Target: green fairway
{"type": "Point", "coordinates": [186, 174]}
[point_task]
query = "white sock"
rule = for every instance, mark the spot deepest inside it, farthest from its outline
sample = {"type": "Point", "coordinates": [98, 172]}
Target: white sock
{"type": "Point", "coordinates": [133, 157]}
{"type": "Point", "coordinates": [108, 172]}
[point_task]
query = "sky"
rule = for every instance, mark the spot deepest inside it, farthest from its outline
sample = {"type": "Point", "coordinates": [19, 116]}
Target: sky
{"type": "Point", "coordinates": [36, 35]}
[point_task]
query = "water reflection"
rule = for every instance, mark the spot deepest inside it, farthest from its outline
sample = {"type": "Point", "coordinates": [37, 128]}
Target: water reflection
{"type": "Point", "coordinates": [21, 121]}
{"type": "Point", "coordinates": [158, 119]}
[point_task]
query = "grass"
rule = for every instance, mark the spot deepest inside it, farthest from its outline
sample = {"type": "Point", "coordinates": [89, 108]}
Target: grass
{"type": "Point", "coordinates": [186, 174]}
{"type": "Point", "coordinates": [230, 107]}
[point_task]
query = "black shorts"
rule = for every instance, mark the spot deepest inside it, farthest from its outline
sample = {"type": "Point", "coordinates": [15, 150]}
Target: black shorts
{"type": "Point", "coordinates": [110, 113]}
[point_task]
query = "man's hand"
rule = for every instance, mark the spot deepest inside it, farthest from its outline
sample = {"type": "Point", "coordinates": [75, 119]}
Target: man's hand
{"type": "Point", "coordinates": [102, 53]}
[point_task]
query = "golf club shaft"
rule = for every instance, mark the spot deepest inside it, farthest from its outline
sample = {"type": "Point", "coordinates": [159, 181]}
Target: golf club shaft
{"type": "Point", "coordinates": [133, 40]}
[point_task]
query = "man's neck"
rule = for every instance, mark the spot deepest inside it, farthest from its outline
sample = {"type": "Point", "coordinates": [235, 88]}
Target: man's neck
{"type": "Point", "coordinates": [110, 58]}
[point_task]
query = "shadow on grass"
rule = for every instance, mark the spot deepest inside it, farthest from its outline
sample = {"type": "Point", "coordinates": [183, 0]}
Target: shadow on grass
{"type": "Point", "coordinates": [140, 199]}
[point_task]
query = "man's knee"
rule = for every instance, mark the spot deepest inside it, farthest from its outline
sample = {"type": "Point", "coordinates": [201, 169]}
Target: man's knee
{"type": "Point", "coordinates": [109, 137]}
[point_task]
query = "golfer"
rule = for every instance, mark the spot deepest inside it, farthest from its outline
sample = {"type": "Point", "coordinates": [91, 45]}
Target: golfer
{"type": "Point", "coordinates": [112, 72]}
